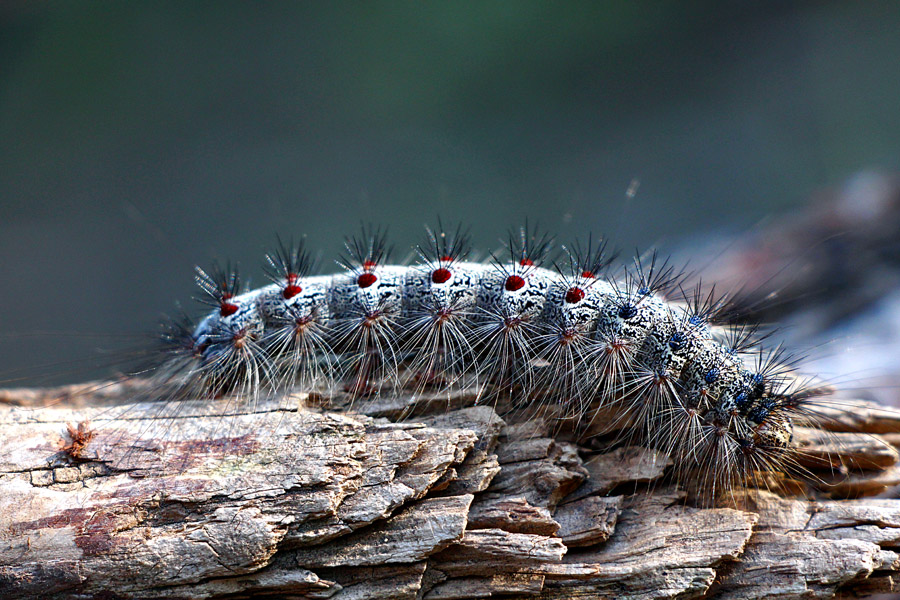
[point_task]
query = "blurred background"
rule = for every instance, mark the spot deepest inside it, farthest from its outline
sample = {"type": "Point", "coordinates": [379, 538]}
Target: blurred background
{"type": "Point", "coordinates": [140, 139]}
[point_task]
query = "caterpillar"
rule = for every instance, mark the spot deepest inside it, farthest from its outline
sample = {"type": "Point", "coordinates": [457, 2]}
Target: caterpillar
{"type": "Point", "coordinates": [560, 335]}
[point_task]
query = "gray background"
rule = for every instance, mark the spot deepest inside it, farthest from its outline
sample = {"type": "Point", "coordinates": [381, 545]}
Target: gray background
{"type": "Point", "coordinates": [137, 140]}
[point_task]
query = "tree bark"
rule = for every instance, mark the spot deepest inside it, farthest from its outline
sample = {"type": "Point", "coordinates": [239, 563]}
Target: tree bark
{"type": "Point", "coordinates": [212, 500]}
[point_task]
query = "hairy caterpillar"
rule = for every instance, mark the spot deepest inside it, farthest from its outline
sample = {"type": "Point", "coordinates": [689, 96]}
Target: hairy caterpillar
{"type": "Point", "coordinates": [573, 340]}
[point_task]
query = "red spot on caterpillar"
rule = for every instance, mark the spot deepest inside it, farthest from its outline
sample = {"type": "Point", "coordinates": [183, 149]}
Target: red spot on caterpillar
{"type": "Point", "coordinates": [574, 294]}
{"type": "Point", "coordinates": [368, 265]}
{"type": "Point", "coordinates": [588, 275]}
{"type": "Point", "coordinates": [514, 283]}
{"type": "Point", "coordinates": [226, 309]}
{"type": "Point", "coordinates": [366, 279]}
{"type": "Point", "coordinates": [446, 258]}
{"type": "Point", "coordinates": [290, 291]}
{"type": "Point", "coordinates": [526, 262]}
{"type": "Point", "coordinates": [440, 275]}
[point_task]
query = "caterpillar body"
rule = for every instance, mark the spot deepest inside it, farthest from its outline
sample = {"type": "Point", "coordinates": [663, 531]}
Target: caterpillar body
{"type": "Point", "coordinates": [572, 338]}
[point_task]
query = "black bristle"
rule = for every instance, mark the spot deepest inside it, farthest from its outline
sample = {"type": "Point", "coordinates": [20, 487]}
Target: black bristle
{"type": "Point", "coordinates": [653, 275]}
{"type": "Point", "coordinates": [218, 284]}
{"type": "Point", "coordinates": [369, 246]}
{"type": "Point", "coordinates": [529, 245]}
{"type": "Point", "coordinates": [585, 258]}
{"type": "Point", "coordinates": [444, 242]}
{"type": "Point", "coordinates": [291, 259]}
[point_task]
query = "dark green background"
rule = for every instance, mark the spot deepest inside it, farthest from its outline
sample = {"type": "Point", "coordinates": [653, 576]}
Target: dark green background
{"type": "Point", "coordinates": [138, 139]}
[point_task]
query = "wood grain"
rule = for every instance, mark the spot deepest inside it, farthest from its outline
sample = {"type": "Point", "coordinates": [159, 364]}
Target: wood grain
{"type": "Point", "coordinates": [200, 501]}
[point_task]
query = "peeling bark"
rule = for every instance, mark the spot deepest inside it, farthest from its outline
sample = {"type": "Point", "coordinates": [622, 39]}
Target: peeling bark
{"type": "Point", "coordinates": [197, 501]}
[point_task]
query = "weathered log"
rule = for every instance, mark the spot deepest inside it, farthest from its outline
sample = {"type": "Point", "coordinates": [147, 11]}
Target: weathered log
{"type": "Point", "coordinates": [201, 501]}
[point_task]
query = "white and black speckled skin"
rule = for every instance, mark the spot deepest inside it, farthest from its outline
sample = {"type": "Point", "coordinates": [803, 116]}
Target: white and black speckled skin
{"type": "Point", "coordinates": [680, 378]}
